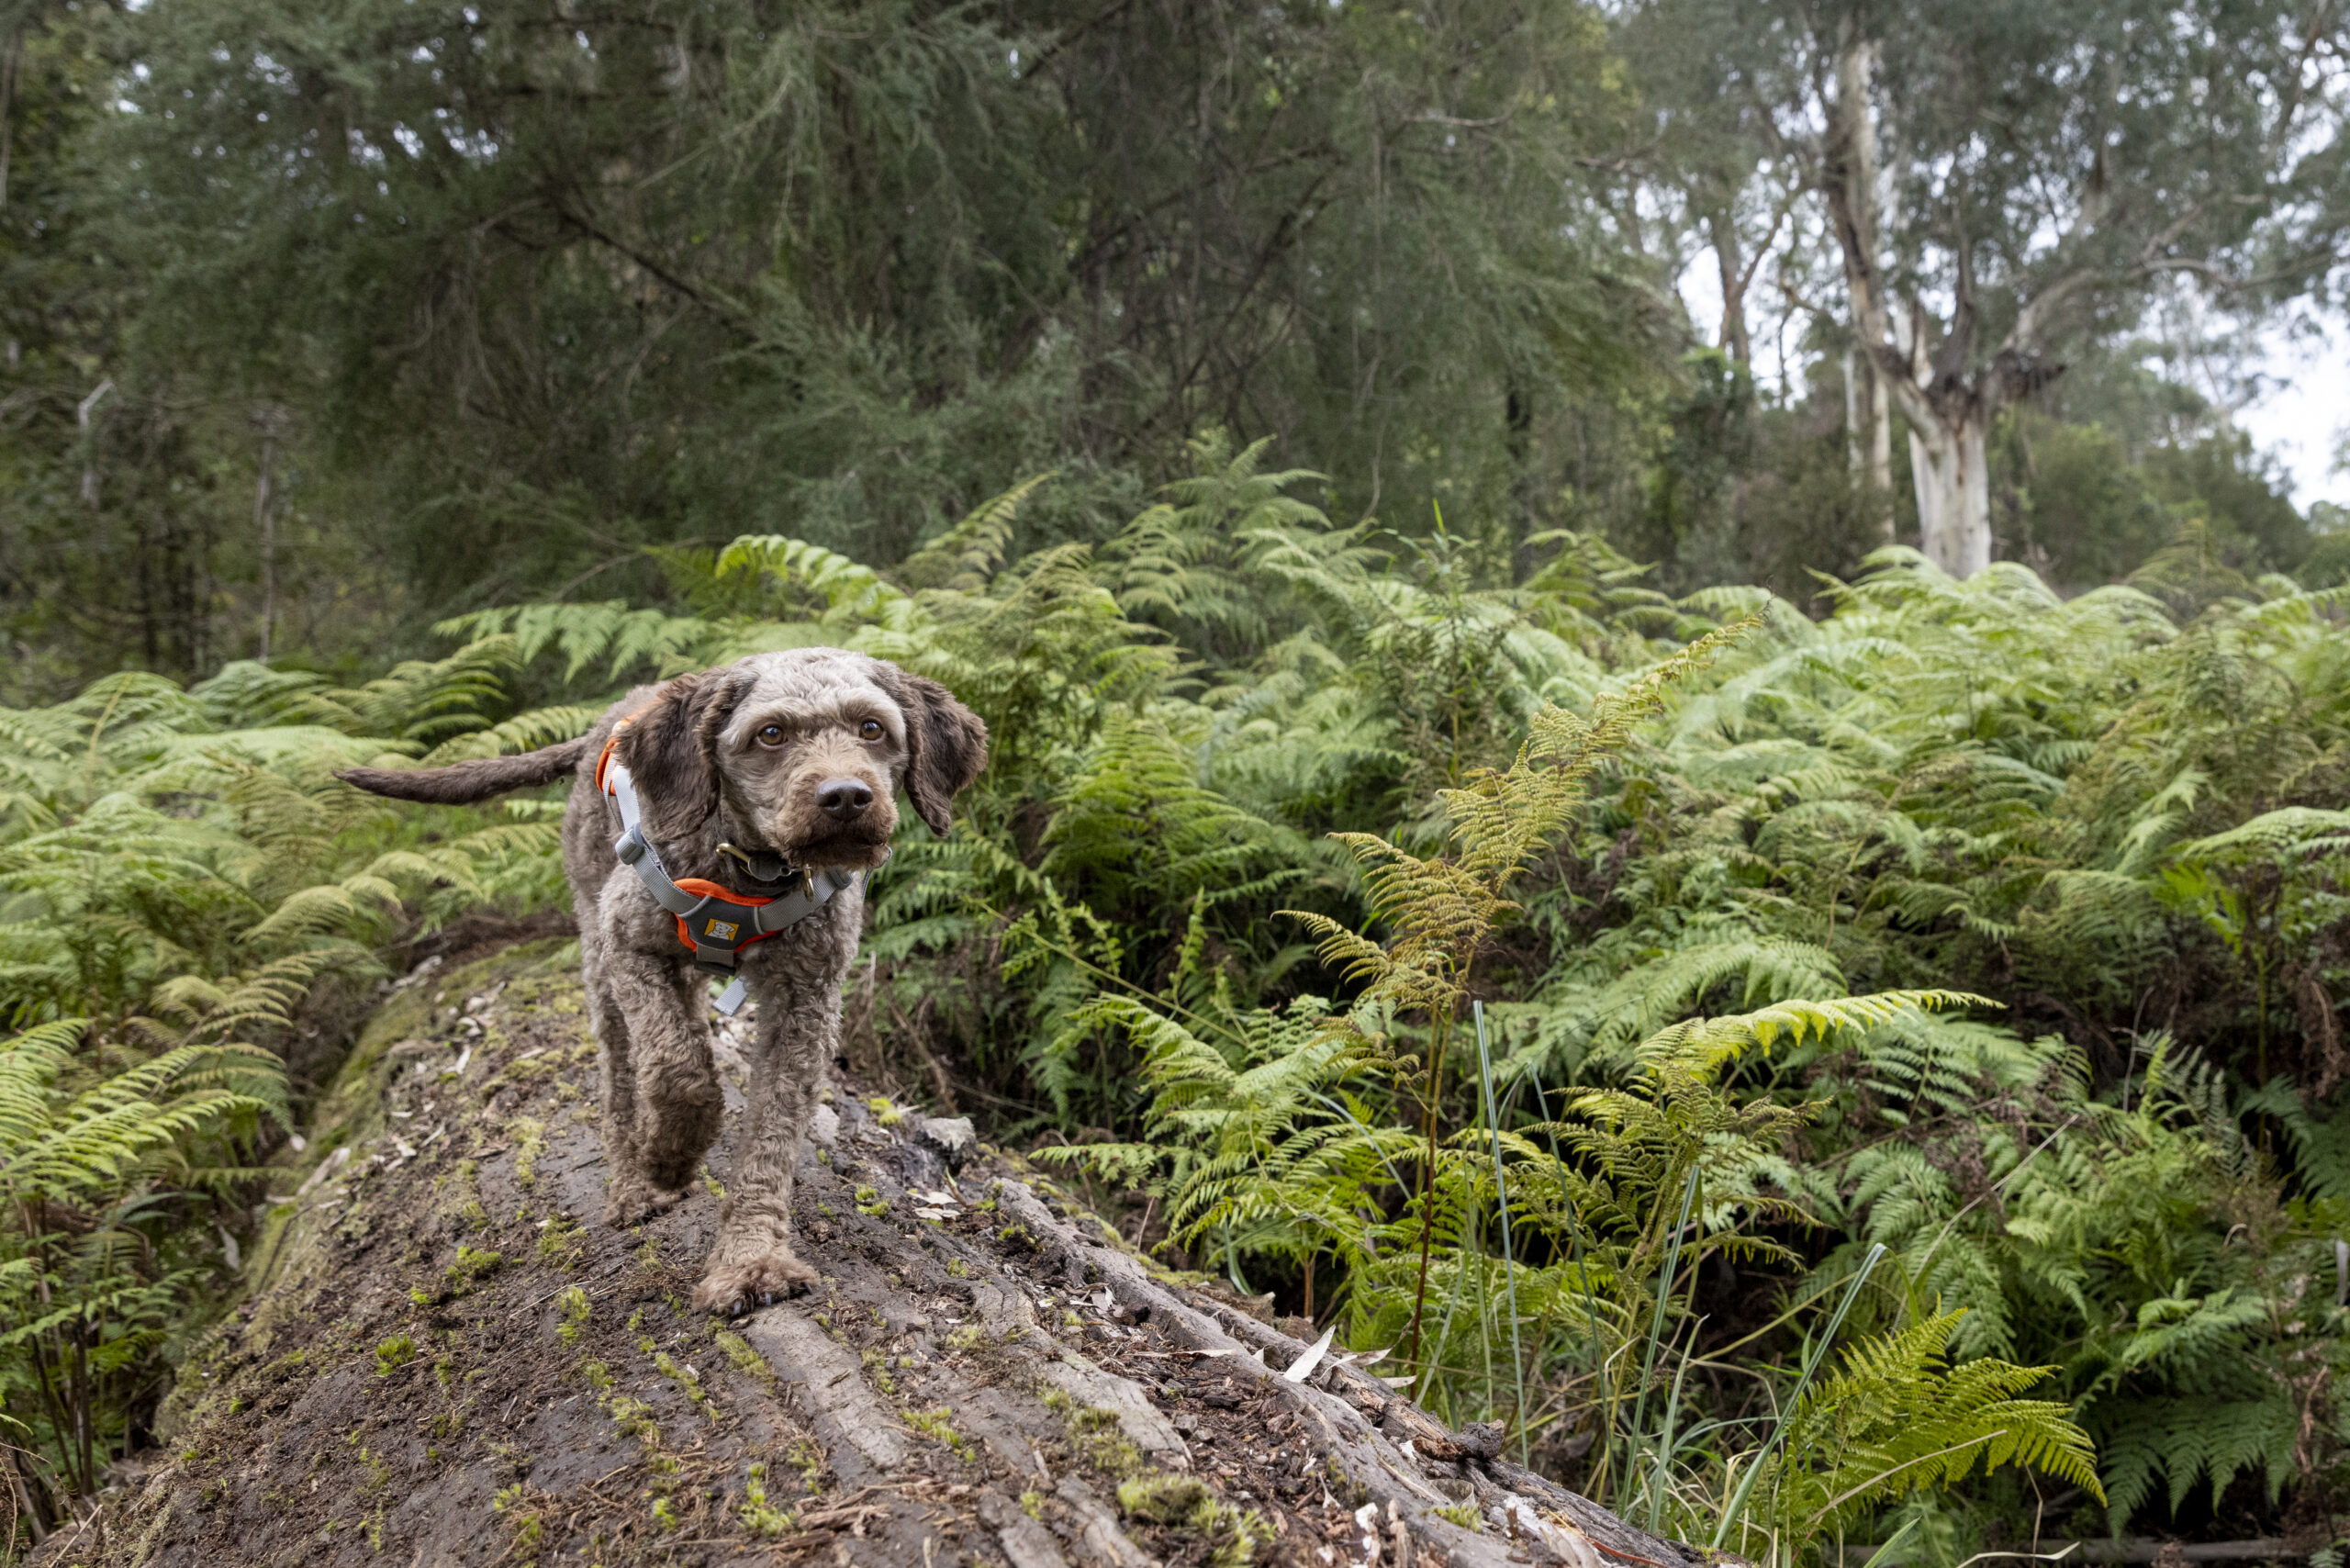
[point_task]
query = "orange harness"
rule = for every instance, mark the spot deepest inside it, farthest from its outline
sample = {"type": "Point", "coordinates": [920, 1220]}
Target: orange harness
{"type": "Point", "coordinates": [714, 924]}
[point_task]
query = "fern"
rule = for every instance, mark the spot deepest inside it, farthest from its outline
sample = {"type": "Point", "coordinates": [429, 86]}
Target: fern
{"type": "Point", "coordinates": [1730, 912]}
{"type": "Point", "coordinates": [1897, 1418]}
{"type": "Point", "coordinates": [84, 1292]}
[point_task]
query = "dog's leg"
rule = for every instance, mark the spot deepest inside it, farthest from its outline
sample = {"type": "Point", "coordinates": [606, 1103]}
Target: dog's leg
{"type": "Point", "coordinates": [627, 1197]}
{"type": "Point", "coordinates": [798, 991]}
{"type": "Point", "coordinates": [661, 1087]}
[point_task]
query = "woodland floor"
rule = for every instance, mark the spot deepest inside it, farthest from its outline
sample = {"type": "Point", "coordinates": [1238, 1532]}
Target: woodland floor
{"type": "Point", "coordinates": [985, 1375]}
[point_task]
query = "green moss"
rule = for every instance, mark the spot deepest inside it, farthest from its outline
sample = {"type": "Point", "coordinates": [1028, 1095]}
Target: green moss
{"type": "Point", "coordinates": [689, 1382]}
{"type": "Point", "coordinates": [938, 1425]}
{"type": "Point", "coordinates": [747, 1360]}
{"type": "Point", "coordinates": [560, 1243]}
{"type": "Point", "coordinates": [573, 1302]}
{"type": "Point", "coordinates": [1162, 1498]}
{"type": "Point", "coordinates": [1465, 1515]}
{"type": "Point", "coordinates": [472, 1267]}
{"type": "Point", "coordinates": [808, 1458]}
{"type": "Point", "coordinates": [1094, 1434]}
{"type": "Point", "coordinates": [1233, 1534]}
{"type": "Point", "coordinates": [757, 1516]}
{"type": "Point", "coordinates": [531, 1141]}
{"type": "Point", "coordinates": [393, 1354]}
{"type": "Point", "coordinates": [525, 1523]}
{"type": "Point", "coordinates": [885, 1113]}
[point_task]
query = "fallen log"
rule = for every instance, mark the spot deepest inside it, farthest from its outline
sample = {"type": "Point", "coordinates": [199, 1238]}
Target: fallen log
{"type": "Point", "coordinates": [441, 1357]}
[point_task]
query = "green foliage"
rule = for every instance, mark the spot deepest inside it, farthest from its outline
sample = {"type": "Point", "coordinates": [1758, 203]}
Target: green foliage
{"type": "Point", "coordinates": [1290, 1154]}
{"type": "Point", "coordinates": [1896, 1420]}
{"type": "Point", "coordinates": [1998, 930]}
{"type": "Point", "coordinates": [183, 887]}
{"type": "Point", "coordinates": [91, 1179]}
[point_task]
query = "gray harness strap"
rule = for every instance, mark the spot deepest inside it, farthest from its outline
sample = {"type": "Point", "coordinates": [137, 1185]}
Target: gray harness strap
{"type": "Point", "coordinates": [717, 929]}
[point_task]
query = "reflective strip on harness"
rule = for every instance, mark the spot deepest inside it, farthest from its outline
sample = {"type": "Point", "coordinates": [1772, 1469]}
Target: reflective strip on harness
{"type": "Point", "coordinates": [714, 924]}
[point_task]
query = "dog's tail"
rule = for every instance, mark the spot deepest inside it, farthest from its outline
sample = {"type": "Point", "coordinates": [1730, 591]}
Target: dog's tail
{"type": "Point", "coordinates": [463, 783]}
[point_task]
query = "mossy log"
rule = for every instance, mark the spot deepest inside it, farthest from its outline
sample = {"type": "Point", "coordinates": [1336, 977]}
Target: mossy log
{"type": "Point", "coordinates": [441, 1357]}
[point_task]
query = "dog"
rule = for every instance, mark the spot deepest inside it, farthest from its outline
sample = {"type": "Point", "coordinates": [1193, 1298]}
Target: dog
{"type": "Point", "coordinates": [754, 776]}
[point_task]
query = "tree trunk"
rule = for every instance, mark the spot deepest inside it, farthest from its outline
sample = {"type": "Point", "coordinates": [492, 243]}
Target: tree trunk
{"type": "Point", "coordinates": [265, 523]}
{"type": "Point", "coordinates": [1950, 468]}
{"type": "Point", "coordinates": [442, 1355]}
{"type": "Point", "coordinates": [1735, 341]}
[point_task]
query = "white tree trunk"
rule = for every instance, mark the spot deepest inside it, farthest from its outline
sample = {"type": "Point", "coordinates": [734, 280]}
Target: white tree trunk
{"type": "Point", "coordinates": [1952, 472]}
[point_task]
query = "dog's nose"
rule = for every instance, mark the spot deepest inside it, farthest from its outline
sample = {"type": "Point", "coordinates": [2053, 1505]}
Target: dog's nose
{"type": "Point", "coordinates": [844, 799]}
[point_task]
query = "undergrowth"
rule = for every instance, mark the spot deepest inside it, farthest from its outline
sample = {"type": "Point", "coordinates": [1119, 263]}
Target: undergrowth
{"type": "Point", "coordinates": [1866, 1074]}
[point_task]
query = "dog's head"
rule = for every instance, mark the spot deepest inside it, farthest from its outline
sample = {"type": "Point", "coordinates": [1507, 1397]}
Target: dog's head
{"type": "Point", "coordinates": [801, 753]}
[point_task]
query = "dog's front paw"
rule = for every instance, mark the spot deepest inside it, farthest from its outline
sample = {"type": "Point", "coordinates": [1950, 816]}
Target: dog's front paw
{"type": "Point", "coordinates": [739, 1284]}
{"type": "Point", "coordinates": [630, 1199]}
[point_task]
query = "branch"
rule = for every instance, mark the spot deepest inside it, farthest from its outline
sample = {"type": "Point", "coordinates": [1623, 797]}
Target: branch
{"type": "Point", "coordinates": [597, 232]}
{"type": "Point", "coordinates": [1432, 118]}
{"type": "Point", "coordinates": [1787, 204]}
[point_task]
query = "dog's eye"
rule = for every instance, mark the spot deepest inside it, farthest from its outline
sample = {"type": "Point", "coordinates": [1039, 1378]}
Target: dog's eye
{"type": "Point", "coordinates": [870, 729]}
{"type": "Point", "coordinates": [770, 735]}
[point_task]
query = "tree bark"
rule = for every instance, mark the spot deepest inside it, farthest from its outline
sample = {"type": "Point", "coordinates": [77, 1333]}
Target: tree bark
{"type": "Point", "coordinates": [1949, 411]}
{"type": "Point", "coordinates": [1950, 469]}
{"type": "Point", "coordinates": [1735, 339]}
{"type": "Point", "coordinates": [266, 523]}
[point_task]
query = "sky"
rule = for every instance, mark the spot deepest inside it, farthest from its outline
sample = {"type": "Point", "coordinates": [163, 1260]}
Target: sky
{"type": "Point", "coordinates": [2306, 405]}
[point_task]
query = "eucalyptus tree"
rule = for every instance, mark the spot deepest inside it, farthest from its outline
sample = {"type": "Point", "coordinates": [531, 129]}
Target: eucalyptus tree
{"type": "Point", "coordinates": [2007, 181]}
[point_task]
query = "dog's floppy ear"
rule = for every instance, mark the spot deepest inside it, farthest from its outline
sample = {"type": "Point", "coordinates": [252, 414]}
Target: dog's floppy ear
{"type": "Point", "coordinates": [671, 749]}
{"type": "Point", "coordinates": [946, 745]}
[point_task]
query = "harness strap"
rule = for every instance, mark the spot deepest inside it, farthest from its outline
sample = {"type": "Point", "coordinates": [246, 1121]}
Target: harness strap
{"type": "Point", "coordinates": [714, 924]}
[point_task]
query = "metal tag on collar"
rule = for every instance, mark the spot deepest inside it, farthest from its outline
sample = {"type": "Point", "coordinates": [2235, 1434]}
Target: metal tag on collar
{"type": "Point", "coordinates": [730, 1001]}
{"type": "Point", "coordinates": [755, 861]}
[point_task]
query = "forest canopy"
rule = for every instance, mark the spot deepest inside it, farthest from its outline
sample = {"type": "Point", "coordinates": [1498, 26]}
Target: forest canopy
{"type": "Point", "coordinates": [1657, 744]}
{"type": "Point", "coordinates": [319, 329]}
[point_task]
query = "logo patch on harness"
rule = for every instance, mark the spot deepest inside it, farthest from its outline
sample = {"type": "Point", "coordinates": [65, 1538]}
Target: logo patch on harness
{"type": "Point", "coordinates": [722, 930]}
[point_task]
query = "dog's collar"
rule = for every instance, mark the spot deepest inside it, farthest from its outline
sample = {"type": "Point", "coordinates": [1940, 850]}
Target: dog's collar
{"type": "Point", "coordinates": [759, 864]}
{"type": "Point", "coordinates": [715, 924]}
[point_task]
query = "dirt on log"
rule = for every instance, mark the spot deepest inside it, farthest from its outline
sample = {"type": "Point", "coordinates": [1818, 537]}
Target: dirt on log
{"type": "Point", "coordinates": [441, 1357]}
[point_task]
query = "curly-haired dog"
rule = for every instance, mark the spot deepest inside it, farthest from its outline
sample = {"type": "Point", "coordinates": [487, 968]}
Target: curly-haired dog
{"type": "Point", "coordinates": [750, 777]}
